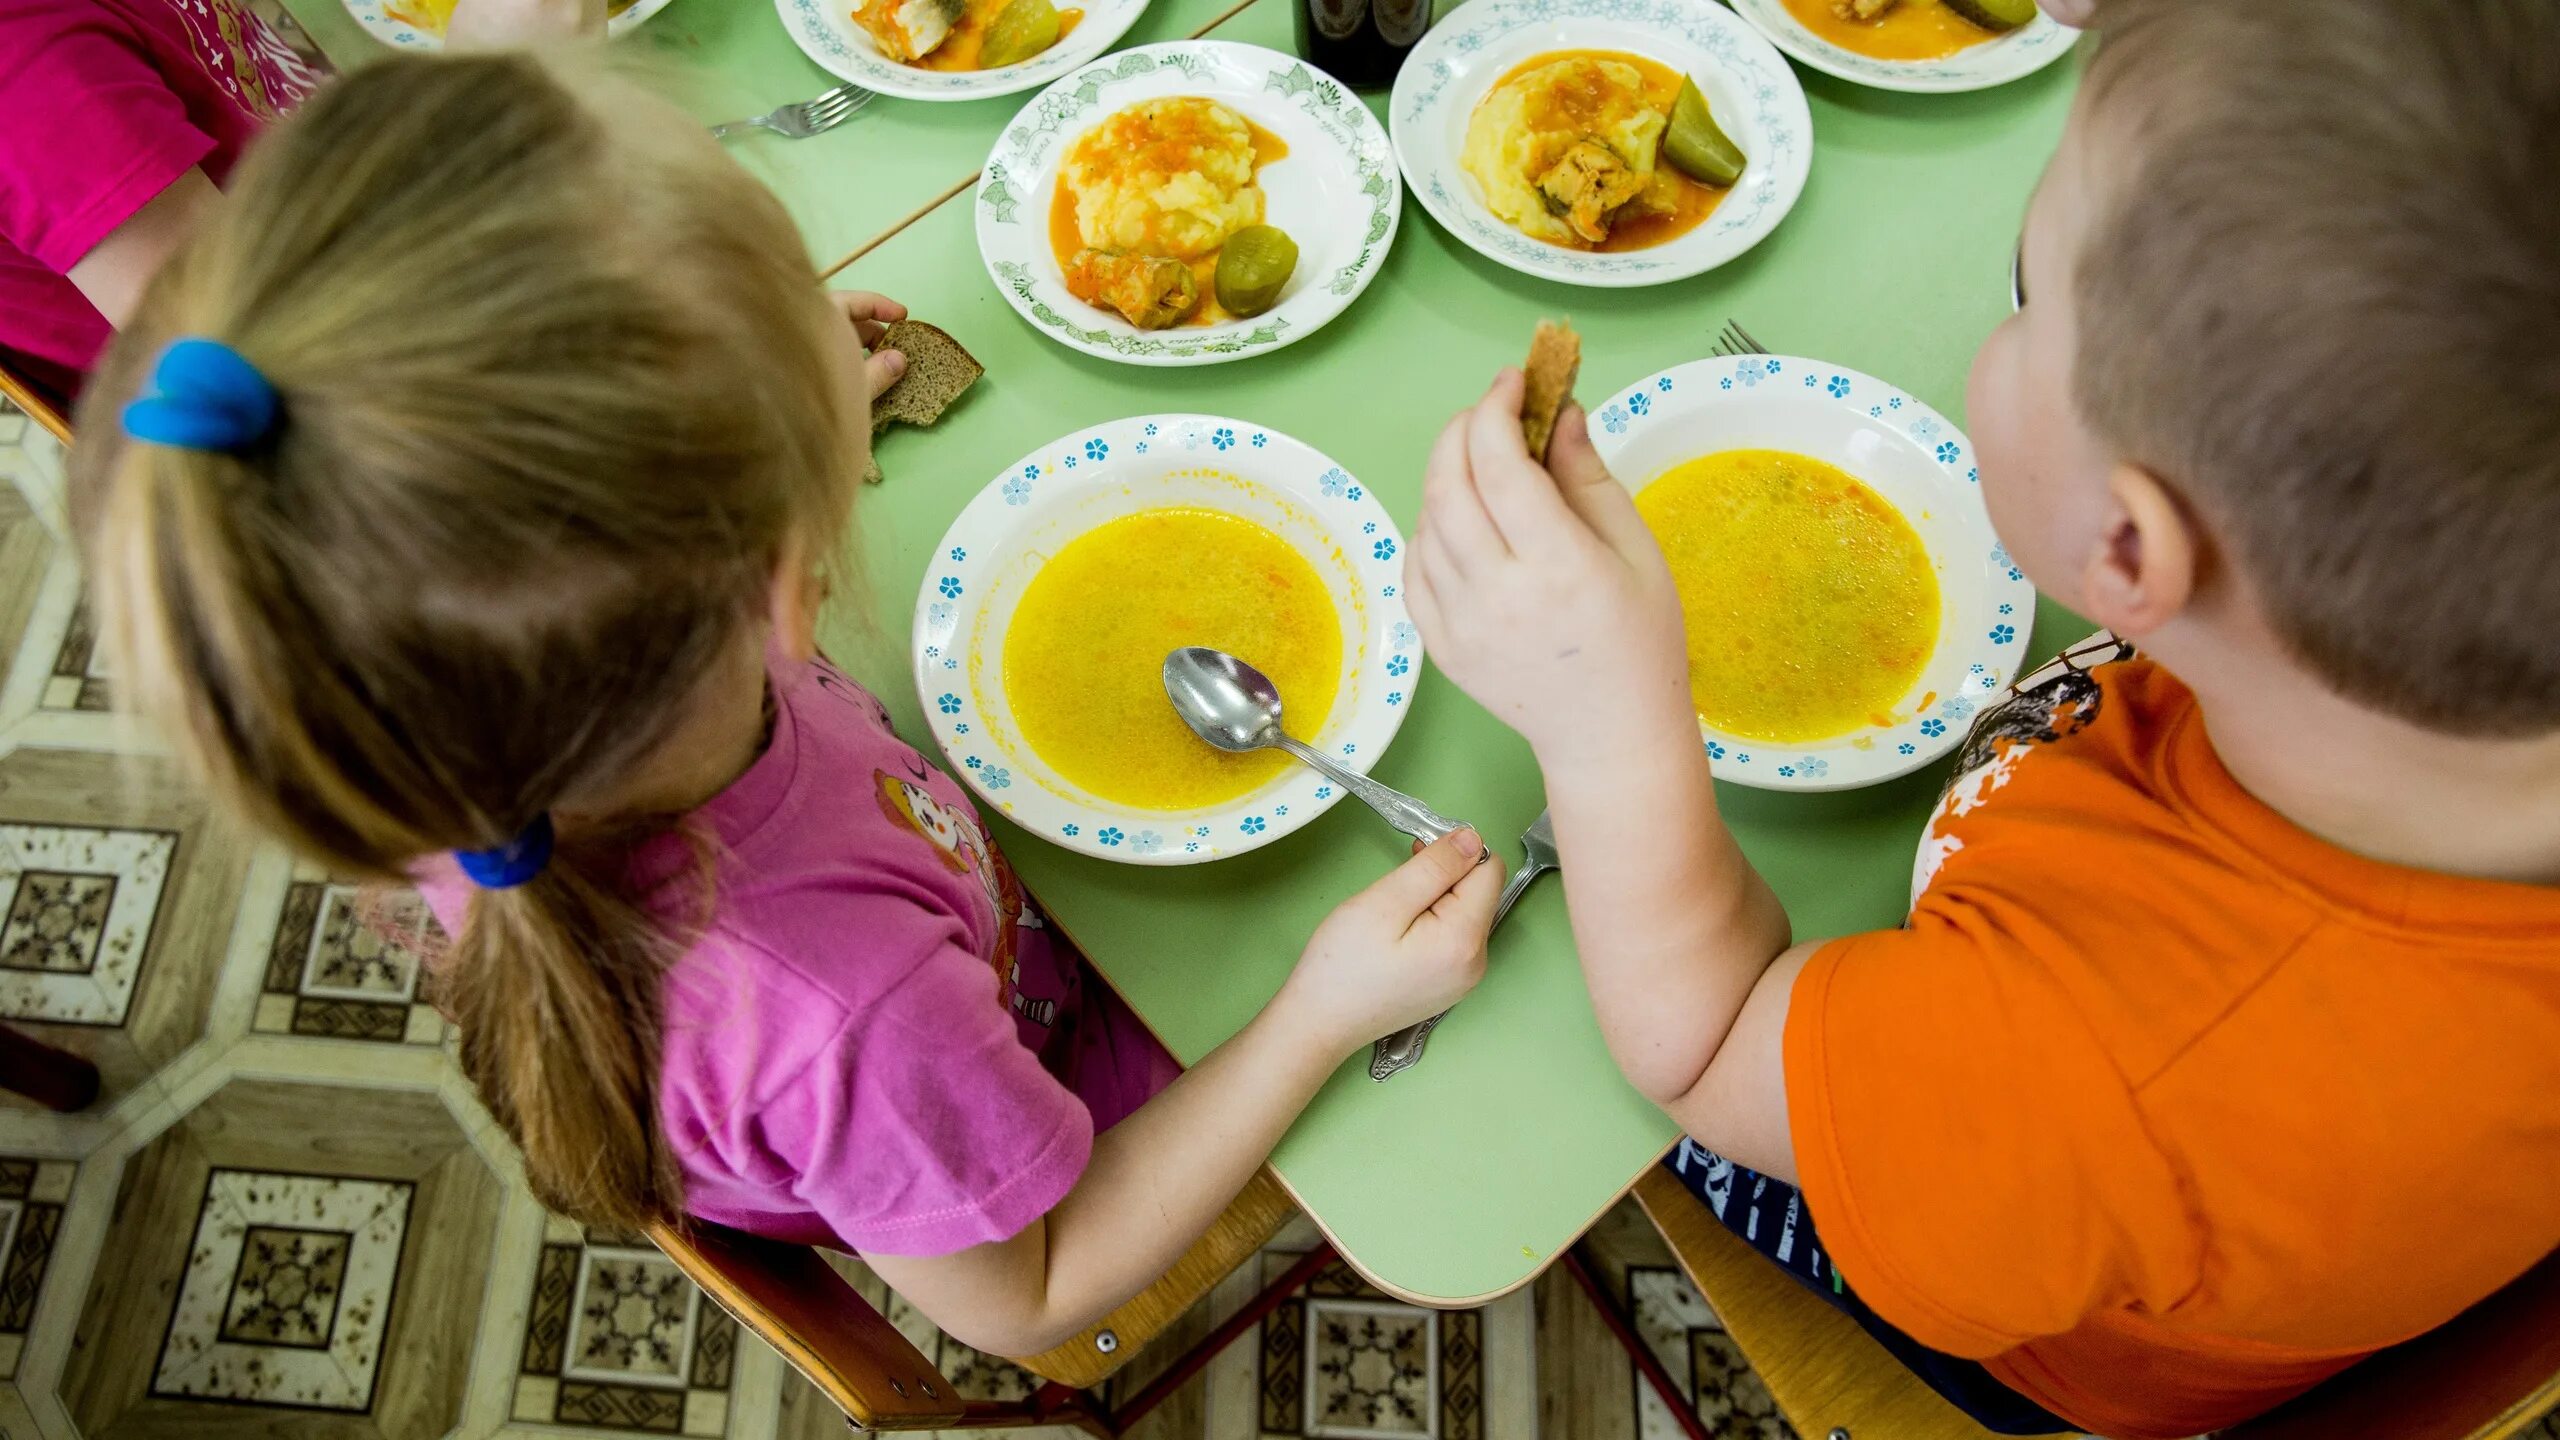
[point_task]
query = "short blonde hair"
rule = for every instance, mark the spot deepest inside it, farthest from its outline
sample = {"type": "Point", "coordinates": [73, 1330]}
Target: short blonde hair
{"type": "Point", "coordinates": [2323, 301]}
{"type": "Point", "coordinates": [559, 391]}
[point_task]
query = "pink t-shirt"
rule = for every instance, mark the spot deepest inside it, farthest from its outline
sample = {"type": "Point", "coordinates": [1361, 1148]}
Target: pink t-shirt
{"type": "Point", "coordinates": [877, 1044]}
{"type": "Point", "coordinates": [102, 104]}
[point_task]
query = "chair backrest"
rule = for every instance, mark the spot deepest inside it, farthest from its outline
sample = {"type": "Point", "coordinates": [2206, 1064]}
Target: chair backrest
{"type": "Point", "coordinates": [794, 1301]}
{"type": "Point", "coordinates": [2488, 1374]}
{"type": "Point", "coordinates": [44, 407]}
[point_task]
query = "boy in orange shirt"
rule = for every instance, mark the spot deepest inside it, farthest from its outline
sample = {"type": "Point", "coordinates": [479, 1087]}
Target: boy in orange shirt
{"type": "Point", "coordinates": [2221, 1046]}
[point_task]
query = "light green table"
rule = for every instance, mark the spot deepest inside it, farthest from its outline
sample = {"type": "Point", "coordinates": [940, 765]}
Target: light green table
{"type": "Point", "coordinates": [1465, 1176]}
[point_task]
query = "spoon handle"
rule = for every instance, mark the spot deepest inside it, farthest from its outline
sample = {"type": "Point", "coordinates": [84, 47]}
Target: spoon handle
{"type": "Point", "coordinates": [1399, 809]}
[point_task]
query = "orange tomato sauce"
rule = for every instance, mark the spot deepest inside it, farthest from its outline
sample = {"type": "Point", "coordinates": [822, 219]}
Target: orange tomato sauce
{"type": "Point", "coordinates": [969, 37]}
{"type": "Point", "coordinates": [1912, 30]}
{"type": "Point", "coordinates": [1695, 202]}
{"type": "Point", "coordinates": [1066, 241]}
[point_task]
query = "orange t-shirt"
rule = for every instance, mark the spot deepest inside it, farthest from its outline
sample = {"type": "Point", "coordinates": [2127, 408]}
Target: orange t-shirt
{"type": "Point", "coordinates": [2160, 1107]}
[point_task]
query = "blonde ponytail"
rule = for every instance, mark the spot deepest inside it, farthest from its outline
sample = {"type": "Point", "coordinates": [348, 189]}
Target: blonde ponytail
{"type": "Point", "coordinates": [555, 399]}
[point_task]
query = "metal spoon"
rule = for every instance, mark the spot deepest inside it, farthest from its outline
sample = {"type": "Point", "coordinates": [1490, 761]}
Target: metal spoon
{"type": "Point", "coordinates": [1236, 708]}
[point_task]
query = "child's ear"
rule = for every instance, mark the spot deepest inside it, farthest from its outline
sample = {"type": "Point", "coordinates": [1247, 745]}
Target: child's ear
{"type": "Point", "coordinates": [2142, 571]}
{"type": "Point", "coordinates": [793, 602]}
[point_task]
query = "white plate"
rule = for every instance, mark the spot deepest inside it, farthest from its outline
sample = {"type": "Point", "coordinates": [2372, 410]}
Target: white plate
{"type": "Point", "coordinates": [382, 25]}
{"type": "Point", "coordinates": [1755, 96]}
{"type": "Point", "coordinates": [1335, 193]}
{"type": "Point", "coordinates": [825, 32]}
{"type": "Point", "coordinates": [1904, 451]}
{"type": "Point", "coordinates": [1064, 489]}
{"type": "Point", "coordinates": [2020, 53]}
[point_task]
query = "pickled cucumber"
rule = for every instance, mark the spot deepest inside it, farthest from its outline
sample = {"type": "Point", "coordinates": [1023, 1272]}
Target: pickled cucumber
{"type": "Point", "coordinates": [1021, 30]}
{"type": "Point", "coordinates": [1698, 147]}
{"type": "Point", "coordinates": [1257, 261]}
{"type": "Point", "coordinates": [1997, 16]}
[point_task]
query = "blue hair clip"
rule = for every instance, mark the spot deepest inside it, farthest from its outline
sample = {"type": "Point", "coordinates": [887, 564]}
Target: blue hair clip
{"type": "Point", "coordinates": [204, 396]}
{"type": "Point", "coordinates": [504, 867]}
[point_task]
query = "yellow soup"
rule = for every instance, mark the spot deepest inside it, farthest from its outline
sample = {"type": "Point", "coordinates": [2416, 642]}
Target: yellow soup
{"type": "Point", "coordinates": [1084, 659]}
{"type": "Point", "coordinates": [1811, 604]}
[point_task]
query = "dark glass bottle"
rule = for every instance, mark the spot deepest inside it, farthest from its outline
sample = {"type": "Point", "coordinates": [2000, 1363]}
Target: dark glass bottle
{"type": "Point", "coordinates": [1362, 43]}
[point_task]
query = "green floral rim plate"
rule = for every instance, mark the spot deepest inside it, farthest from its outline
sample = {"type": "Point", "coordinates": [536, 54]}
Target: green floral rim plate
{"type": "Point", "coordinates": [1336, 193]}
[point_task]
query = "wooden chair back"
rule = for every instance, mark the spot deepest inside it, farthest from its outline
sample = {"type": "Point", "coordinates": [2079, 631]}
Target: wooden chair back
{"type": "Point", "coordinates": [2486, 1375]}
{"type": "Point", "coordinates": [47, 409]}
{"type": "Point", "coordinates": [1824, 1372]}
{"type": "Point", "coordinates": [791, 1298]}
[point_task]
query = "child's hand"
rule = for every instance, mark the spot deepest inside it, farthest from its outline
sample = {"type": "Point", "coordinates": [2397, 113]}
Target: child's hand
{"type": "Point", "coordinates": [490, 24]}
{"type": "Point", "coordinates": [871, 315]}
{"type": "Point", "coordinates": [1406, 948]}
{"type": "Point", "coordinates": [2074, 13]}
{"type": "Point", "coordinates": [1543, 594]}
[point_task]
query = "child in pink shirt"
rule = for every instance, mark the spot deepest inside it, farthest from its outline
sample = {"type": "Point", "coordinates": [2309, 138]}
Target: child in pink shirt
{"type": "Point", "coordinates": [119, 120]}
{"type": "Point", "coordinates": [461, 489]}
{"type": "Point", "coordinates": [107, 106]}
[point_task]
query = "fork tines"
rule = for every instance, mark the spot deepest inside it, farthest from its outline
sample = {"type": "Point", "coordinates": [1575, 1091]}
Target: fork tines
{"type": "Point", "coordinates": [836, 104]}
{"type": "Point", "coordinates": [1737, 341]}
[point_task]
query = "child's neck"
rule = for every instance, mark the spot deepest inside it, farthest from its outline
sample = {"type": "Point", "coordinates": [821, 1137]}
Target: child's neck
{"type": "Point", "coordinates": [2378, 786]}
{"type": "Point", "coordinates": [726, 727]}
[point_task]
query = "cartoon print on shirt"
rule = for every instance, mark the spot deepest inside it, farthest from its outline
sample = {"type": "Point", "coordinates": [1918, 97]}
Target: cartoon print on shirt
{"type": "Point", "coordinates": [243, 55]}
{"type": "Point", "coordinates": [964, 848]}
{"type": "Point", "coordinates": [2056, 702]}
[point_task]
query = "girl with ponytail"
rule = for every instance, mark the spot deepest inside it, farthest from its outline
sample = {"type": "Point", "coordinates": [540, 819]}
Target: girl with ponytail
{"type": "Point", "coordinates": [454, 503]}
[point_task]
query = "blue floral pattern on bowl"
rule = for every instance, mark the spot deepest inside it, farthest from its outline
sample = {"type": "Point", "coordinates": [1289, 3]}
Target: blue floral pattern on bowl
{"type": "Point", "coordinates": [1972, 661]}
{"type": "Point", "coordinates": [977, 565]}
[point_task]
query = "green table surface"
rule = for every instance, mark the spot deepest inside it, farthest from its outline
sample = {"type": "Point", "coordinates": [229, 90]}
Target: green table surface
{"type": "Point", "coordinates": [1466, 1175]}
{"type": "Point", "coordinates": [724, 59]}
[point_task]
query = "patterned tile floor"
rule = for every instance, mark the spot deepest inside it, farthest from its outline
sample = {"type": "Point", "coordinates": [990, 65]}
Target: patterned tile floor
{"type": "Point", "coordinates": [287, 1216]}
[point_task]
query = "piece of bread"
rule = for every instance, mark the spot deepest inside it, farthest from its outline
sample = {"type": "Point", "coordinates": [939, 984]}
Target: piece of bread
{"type": "Point", "coordinates": [1555, 359]}
{"type": "Point", "coordinates": [939, 371]}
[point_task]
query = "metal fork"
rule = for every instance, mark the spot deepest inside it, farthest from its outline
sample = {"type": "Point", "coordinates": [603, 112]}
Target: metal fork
{"type": "Point", "coordinates": [1537, 856]}
{"type": "Point", "coordinates": [811, 117]}
{"type": "Point", "coordinates": [1737, 341]}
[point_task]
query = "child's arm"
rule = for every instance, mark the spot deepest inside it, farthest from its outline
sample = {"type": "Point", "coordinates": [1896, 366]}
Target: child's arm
{"type": "Point", "coordinates": [1406, 947]}
{"type": "Point", "coordinates": [1539, 590]}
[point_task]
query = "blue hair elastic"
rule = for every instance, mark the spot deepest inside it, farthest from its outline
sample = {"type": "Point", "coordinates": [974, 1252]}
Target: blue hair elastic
{"type": "Point", "coordinates": [204, 396]}
{"type": "Point", "coordinates": [504, 867]}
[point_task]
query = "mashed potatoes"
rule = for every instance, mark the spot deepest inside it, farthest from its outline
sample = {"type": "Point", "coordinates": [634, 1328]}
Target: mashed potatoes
{"type": "Point", "coordinates": [1170, 178]}
{"type": "Point", "coordinates": [1525, 145]}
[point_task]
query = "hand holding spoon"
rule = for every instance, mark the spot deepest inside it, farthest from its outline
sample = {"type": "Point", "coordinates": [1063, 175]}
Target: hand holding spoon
{"type": "Point", "coordinates": [1237, 709]}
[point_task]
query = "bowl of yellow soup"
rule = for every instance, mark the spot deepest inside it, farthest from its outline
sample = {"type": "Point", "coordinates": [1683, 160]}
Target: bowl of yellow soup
{"type": "Point", "coordinates": [1048, 610]}
{"type": "Point", "coordinates": [1847, 603]}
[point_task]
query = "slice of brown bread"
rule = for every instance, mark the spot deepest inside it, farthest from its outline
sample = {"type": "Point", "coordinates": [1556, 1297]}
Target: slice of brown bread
{"type": "Point", "coordinates": [1555, 360]}
{"type": "Point", "coordinates": [939, 371]}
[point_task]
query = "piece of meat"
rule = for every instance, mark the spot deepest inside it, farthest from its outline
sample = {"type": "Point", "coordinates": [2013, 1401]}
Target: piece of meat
{"type": "Point", "coordinates": [1862, 9]}
{"type": "Point", "coordinates": [908, 30]}
{"type": "Point", "coordinates": [1148, 291]}
{"type": "Point", "coordinates": [1587, 186]}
